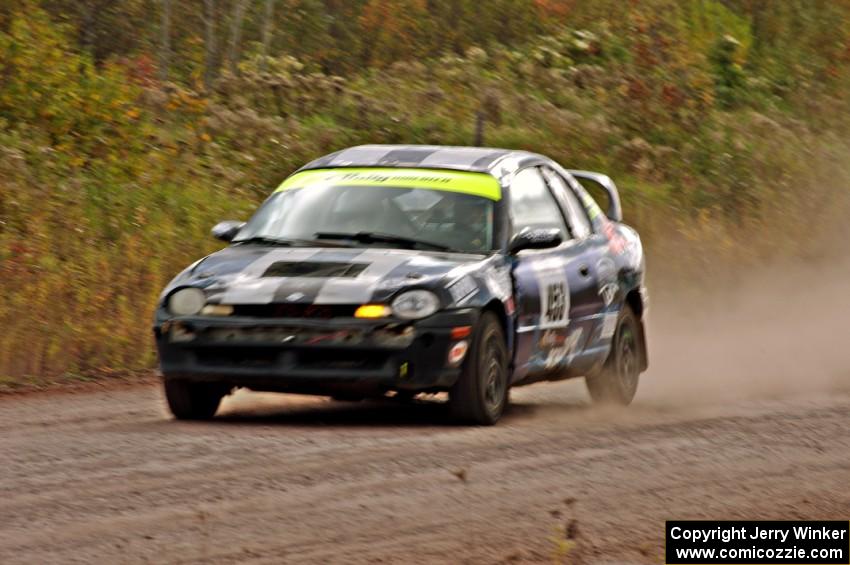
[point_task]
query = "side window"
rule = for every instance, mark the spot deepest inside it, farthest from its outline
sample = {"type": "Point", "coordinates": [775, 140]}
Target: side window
{"type": "Point", "coordinates": [532, 205]}
{"type": "Point", "coordinates": [576, 213]}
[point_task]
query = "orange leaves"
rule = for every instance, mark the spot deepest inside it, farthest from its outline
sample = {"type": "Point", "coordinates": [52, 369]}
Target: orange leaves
{"type": "Point", "coordinates": [56, 92]}
{"type": "Point", "coordinates": [393, 27]}
{"type": "Point", "coordinates": [555, 9]}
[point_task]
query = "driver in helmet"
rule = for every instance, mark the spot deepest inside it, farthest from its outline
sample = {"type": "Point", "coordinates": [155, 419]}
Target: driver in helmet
{"type": "Point", "coordinates": [472, 222]}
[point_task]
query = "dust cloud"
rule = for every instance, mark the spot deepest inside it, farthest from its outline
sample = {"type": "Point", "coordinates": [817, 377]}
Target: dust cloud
{"type": "Point", "coordinates": [779, 332]}
{"type": "Point", "coordinates": [775, 333]}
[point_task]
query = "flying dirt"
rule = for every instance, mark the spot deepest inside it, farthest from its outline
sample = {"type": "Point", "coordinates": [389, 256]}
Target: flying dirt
{"type": "Point", "coordinates": [743, 415]}
{"type": "Point", "coordinates": [779, 332]}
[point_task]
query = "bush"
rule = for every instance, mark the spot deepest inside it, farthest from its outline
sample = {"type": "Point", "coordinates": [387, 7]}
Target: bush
{"type": "Point", "coordinates": [109, 181]}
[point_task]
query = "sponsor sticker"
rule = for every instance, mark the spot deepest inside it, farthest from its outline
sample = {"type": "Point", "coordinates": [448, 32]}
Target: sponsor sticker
{"type": "Point", "coordinates": [593, 209]}
{"type": "Point", "coordinates": [463, 289]}
{"type": "Point", "coordinates": [609, 325]}
{"type": "Point", "coordinates": [607, 276]}
{"type": "Point", "coordinates": [476, 184]}
{"type": "Point", "coordinates": [608, 293]}
{"type": "Point", "coordinates": [499, 282]}
{"type": "Point", "coordinates": [558, 347]}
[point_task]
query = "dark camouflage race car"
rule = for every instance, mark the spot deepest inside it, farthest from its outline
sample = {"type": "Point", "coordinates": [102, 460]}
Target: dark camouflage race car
{"type": "Point", "coordinates": [397, 270]}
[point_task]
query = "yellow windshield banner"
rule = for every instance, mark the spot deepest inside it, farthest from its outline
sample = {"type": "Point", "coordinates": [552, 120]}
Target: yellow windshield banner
{"type": "Point", "coordinates": [477, 184]}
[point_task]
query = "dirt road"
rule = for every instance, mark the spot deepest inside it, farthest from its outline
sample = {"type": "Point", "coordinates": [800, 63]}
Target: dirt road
{"type": "Point", "coordinates": [107, 477]}
{"type": "Point", "coordinates": [745, 414]}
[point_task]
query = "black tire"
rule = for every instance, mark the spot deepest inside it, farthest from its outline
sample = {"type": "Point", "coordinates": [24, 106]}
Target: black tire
{"type": "Point", "coordinates": [342, 397]}
{"type": "Point", "coordinates": [617, 382]}
{"type": "Point", "coordinates": [405, 396]}
{"type": "Point", "coordinates": [481, 393]}
{"type": "Point", "coordinates": [193, 401]}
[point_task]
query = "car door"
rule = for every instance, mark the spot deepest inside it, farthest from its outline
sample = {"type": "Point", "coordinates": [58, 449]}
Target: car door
{"type": "Point", "coordinates": [553, 286]}
{"type": "Point", "coordinates": [601, 292]}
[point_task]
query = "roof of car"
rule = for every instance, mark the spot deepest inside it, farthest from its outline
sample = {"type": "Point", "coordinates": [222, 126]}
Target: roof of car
{"type": "Point", "coordinates": [470, 159]}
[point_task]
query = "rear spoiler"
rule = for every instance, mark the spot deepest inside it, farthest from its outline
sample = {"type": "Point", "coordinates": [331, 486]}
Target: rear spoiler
{"type": "Point", "coordinates": [615, 210]}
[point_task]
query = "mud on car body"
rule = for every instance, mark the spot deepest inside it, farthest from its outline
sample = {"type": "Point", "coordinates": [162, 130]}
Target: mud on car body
{"type": "Point", "coordinates": [409, 269]}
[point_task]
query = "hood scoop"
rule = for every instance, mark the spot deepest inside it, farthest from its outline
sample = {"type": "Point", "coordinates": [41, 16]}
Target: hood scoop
{"type": "Point", "coordinates": [314, 269]}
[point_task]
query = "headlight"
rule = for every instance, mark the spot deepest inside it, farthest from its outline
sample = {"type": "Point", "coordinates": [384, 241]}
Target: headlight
{"type": "Point", "coordinates": [186, 301]}
{"type": "Point", "coordinates": [415, 304]}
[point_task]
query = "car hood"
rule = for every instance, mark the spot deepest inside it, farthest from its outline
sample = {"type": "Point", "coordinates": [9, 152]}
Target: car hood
{"type": "Point", "coordinates": [249, 274]}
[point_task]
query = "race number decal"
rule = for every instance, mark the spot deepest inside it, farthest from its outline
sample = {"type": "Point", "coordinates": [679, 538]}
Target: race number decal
{"type": "Point", "coordinates": [554, 295]}
{"type": "Point", "coordinates": [555, 303]}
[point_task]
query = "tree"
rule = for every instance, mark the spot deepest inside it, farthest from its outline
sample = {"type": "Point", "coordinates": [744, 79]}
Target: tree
{"type": "Point", "coordinates": [235, 46]}
{"type": "Point", "coordinates": [104, 28]}
{"type": "Point", "coordinates": [165, 41]}
{"type": "Point", "coordinates": [210, 42]}
{"type": "Point", "coordinates": [267, 31]}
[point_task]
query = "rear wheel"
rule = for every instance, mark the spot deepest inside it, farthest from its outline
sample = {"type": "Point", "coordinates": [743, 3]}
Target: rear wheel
{"type": "Point", "coordinates": [481, 393]}
{"type": "Point", "coordinates": [617, 382]}
{"type": "Point", "coordinates": [193, 401]}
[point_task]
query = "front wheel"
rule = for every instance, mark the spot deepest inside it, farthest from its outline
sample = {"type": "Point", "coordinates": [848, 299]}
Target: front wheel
{"type": "Point", "coordinates": [617, 382]}
{"type": "Point", "coordinates": [481, 392]}
{"type": "Point", "coordinates": [193, 401]}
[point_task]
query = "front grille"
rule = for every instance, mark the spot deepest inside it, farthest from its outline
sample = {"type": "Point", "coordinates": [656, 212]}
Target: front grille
{"type": "Point", "coordinates": [341, 360]}
{"type": "Point", "coordinates": [283, 335]}
{"type": "Point", "coordinates": [316, 311]}
{"type": "Point", "coordinates": [237, 357]}
{"type": "Point", "coordinates": [268, 358]}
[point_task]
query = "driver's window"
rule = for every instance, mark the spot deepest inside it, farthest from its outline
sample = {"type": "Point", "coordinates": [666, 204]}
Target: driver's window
{"type": "Point", "coordinates": [577, 215]}
{"type": "Point", "coordinates": [532, 205]}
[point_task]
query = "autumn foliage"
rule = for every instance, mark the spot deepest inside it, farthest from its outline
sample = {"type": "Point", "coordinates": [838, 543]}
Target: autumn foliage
{"type": "Point", "coordinates": [725, 123]}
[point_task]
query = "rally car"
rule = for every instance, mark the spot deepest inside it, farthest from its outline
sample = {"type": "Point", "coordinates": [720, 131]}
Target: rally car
{"type": "Point", "coordinates": [397, 270]}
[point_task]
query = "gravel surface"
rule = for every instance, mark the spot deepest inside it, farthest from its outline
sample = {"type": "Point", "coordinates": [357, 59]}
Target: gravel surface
{"type": "Point", "coordinates": [108, 477]}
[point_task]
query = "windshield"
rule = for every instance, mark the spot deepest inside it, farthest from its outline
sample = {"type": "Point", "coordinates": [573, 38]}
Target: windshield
{"type": "Point", "coordinates": [340, 204]}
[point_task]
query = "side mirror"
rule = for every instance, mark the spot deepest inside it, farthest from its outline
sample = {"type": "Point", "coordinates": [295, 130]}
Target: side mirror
{"type": "Point", "coordinates": [227, 230]}
{"type": "Point", "coordinates": [535, 239]}
{"type": "Point", "coordinates": [592, 180]}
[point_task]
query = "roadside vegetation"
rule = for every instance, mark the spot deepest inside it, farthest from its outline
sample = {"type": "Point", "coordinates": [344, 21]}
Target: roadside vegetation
{"type": "Point", "coordinates": [127, 129]}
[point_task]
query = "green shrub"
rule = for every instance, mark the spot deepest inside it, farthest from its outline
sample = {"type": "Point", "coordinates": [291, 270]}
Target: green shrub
{"type": "Point", "coordinates": [109, 181]}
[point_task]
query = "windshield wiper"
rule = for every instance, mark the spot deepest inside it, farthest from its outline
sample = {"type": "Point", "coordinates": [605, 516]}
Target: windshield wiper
{"type": "Point", "coordinates": [264, 240]}
{"type": "Point", "coordinates": [378, 237]}
{"type": "Point", "coordinates": [282, 241]}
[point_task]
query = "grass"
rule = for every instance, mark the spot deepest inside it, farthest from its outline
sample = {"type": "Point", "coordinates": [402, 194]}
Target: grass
{"type": "Point", "coordinates": [725, 152]}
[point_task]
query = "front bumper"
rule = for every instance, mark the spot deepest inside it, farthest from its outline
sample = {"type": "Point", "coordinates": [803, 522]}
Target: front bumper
{"type": "Point", "coordinates": [312, 356]}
